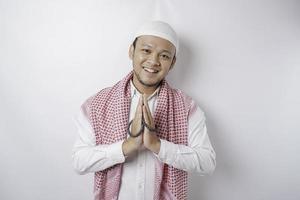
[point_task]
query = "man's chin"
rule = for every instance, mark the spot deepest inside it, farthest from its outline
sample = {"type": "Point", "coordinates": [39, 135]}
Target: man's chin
{"type": "Point", "coordinates": [149, 83]}
{"type": "Point", "coordinates": [146, 81]}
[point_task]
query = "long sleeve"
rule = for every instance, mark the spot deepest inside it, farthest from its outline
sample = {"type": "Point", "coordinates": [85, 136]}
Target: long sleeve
{"type": "Point", "coordinates": [199, 156]}
{"type": "Point", "coordinates": [89, 157]}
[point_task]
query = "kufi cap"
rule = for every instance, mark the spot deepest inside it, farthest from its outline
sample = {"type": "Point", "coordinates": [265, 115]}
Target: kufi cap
{"type": "Point", "coordinates": [160, 29]}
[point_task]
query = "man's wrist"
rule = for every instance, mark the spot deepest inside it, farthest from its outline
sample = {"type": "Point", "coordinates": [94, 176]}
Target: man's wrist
{"type": "Point", "coordinates": [129, 146]}
{"type": "Point", "coordinates": [155, 147]}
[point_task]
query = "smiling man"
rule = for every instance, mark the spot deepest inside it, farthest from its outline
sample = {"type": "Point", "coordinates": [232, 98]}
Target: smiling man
{"type": "Point", "coordinates": [140, 137]}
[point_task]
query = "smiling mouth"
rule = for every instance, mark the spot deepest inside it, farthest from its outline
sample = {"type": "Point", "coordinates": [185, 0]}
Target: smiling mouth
{"type": "Point", "coordinates": [150, 70]}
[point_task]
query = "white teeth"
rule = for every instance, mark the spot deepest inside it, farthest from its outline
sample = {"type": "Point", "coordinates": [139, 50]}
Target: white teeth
{"type": "Point", "coordinates": [150, 70]}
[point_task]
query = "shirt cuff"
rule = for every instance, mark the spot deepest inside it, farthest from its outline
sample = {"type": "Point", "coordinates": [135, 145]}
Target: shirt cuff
{"type": "Point", "coordinates": [115, 153]}
{"type": "Point", "coordinates": [167, 153]}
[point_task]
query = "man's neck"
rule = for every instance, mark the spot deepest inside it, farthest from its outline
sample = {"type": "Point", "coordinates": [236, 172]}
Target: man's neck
{"type": "Point", "coordinates": [148, 90]}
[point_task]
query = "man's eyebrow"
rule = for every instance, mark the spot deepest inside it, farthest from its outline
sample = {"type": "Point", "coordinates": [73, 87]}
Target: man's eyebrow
{"type": "Point", "coordinates": [165, 51]}
{"type": "Point", "coordinates": [147, 45]}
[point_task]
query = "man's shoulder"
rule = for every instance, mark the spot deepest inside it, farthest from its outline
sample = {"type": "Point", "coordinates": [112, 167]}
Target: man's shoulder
{"type": "Point", "coordinates": [190, 104]}
{"type": "Point", "coordinates": [178, 92]}
{"type": "Point", "coordinates": [103, 92]}
{"type": "Point", "coordinates": [96, 96]}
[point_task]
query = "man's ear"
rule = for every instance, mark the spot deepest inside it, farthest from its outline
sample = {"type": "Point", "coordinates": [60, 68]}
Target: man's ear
{"type": "Point", "coordinates": [173, 63]}
{"type": "Point", "coordinates": [131, 52]}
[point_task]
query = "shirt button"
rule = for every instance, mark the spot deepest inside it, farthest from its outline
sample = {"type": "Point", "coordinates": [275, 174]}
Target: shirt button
{"type": "Point", "coordinates": [140, 186]}
{"type": "Point", "coordinates": [141, 165]}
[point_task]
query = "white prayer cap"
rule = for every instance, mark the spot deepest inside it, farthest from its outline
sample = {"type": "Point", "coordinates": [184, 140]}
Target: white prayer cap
{"type": "Point", "coordinates": [160, 29]}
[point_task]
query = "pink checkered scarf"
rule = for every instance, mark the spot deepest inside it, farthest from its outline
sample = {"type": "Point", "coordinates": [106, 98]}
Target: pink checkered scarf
{"type": "Point", "coordinates": [108, 112]}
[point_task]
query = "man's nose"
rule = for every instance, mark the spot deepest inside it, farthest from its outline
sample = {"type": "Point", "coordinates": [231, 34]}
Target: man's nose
{"type": "Point", "coordinates": [154, 59]}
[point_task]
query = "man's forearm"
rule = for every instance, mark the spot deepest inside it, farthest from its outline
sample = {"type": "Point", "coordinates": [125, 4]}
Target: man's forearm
{"type": "Point", "coordinates": [88, 158]}
{"type": "Point", "coordinates": [199, 159]}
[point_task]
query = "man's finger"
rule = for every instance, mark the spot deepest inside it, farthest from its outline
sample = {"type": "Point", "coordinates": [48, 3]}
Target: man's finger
{"type": "Point", "coordinates": [146, 115]}
{"type": "Point", "coordinates": [147, 112]}
{"type": "Point", "coordinates": [137, 120]}
{"type": "Point", "coordinates": [150, 121]}
{"type": "Point", "coordinates": [139, 112]}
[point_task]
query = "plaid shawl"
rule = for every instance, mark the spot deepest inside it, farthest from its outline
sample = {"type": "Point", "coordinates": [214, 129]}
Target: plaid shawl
{"type": "Point", "coordinates": [108, 113]}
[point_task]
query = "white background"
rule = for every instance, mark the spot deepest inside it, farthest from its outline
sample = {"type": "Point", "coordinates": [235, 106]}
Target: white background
{"type": "Point", "coordinates": [240, 60]}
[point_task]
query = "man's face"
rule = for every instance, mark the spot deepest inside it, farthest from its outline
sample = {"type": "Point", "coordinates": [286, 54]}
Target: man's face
{"type": "Point", "coordinates": [152, 59]}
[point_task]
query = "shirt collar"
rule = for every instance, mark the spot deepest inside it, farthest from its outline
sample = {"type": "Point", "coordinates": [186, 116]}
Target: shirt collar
{"type": "Point", "coordinates": [135, 91]}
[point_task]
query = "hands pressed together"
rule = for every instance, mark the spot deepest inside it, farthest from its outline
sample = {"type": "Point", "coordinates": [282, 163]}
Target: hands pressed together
{"type": "Point", "coordinates": [147, 138]}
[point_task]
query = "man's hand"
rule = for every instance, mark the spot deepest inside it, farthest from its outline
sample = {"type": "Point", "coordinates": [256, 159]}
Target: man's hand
{"type": "Point", "coordinates": [131, 144]}
{"type": "Point", "coordinates": [150, 139]}
{"type": "Point", "coordinates": [147, 138]}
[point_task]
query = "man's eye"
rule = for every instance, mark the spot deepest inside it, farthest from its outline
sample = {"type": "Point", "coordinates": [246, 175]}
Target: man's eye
{"type": "Point", "coordinates": [165, 56]}
{"type": "Point", "coordinates": [146, 50]}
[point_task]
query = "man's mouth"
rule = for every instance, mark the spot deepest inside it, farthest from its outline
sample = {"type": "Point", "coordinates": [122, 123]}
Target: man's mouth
{"type": "Point", "coordinates": [150, 70]}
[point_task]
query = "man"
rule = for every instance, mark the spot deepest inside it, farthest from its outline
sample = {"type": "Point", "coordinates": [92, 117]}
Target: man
{"type": "Point", "coordinates": [141, 136]}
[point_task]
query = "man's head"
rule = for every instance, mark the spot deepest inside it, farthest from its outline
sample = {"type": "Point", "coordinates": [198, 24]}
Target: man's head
{"type": "Point", "coordinates": [153, 54]}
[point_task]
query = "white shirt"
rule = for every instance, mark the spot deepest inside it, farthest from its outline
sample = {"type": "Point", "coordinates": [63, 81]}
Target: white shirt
{"type": "Point", "coordinates": [137, 182]}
